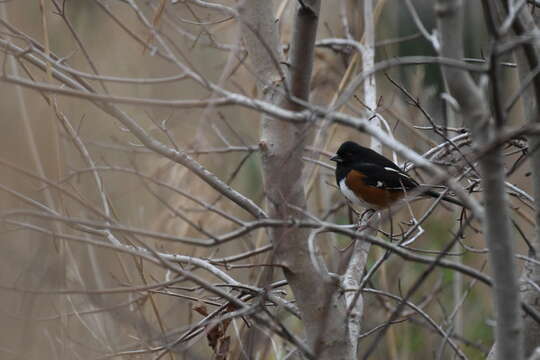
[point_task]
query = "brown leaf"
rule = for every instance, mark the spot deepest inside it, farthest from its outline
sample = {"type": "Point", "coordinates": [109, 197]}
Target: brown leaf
{"type": "Point", "coordinates": [213, 335]}
{"type": "Point", "coordinates": [223, 351]}
{"type": "Point", "coordinates": [201, 309]}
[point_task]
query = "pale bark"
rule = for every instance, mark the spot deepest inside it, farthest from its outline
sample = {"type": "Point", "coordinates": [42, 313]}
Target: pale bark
{"type": "Point", "coordinates": [528, 61]}
{"type": "Point", "coordinates": [473, 107]}
{"type": "Point", "coordinates": [352, 278]}
{"type": "Point", "coordinates": [322, 308]}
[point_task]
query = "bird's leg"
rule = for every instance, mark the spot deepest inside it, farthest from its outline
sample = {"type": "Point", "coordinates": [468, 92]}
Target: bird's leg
{"type": "Point", "coordinates": [366, 216]}
{"type": "Point", "coordinates": [363, 219]}
{"type": "Point", "coordinates": [360, 223]}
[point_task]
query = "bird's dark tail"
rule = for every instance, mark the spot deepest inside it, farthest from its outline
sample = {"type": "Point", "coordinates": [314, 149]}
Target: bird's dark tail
{"type": "Point", "coordinates": [449, 199]}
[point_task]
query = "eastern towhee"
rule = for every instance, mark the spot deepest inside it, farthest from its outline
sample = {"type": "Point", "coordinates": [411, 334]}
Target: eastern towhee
{"type": "Point", "coordinates": [371, 180]}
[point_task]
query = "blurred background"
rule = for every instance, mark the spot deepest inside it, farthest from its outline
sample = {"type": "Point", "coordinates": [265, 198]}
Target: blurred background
{"type": "Point", "coordinates": [63, 299]}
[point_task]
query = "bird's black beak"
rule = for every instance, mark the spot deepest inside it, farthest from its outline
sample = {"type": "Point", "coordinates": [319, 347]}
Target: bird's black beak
{"type": "Point", "coordinates": [336, 158]}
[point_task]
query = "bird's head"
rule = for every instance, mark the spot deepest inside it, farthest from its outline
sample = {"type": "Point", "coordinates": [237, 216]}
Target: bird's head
{"type": "Point", "coordinates": [348, 152]}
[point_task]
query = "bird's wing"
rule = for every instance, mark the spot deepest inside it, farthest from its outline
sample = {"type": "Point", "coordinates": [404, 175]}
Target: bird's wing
{"type": "Point", "coordinates": [385, 177]}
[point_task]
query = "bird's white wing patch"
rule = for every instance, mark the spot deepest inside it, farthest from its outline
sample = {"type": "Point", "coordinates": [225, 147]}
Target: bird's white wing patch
{"type": "Point", "coordinates": [397, 171]}
{"type": "Point", "coordinates": [392, 169]}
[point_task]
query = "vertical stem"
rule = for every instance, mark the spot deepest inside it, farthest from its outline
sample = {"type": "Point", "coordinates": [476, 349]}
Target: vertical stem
{"type": "Point", "coordinates": [457, 277]}
{"type": "Point", "coordinates": [497, 231]}
{"type": "Point", "coordinates": [368, 63]}
{"type": "Point", "coordinates": [528, 59]}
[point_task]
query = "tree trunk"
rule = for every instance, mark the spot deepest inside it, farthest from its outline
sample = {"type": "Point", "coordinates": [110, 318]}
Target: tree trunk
{"type": "Point", "coordinates": [321, 305]}
{"type": "Point", "coordinates": [474, 110]}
